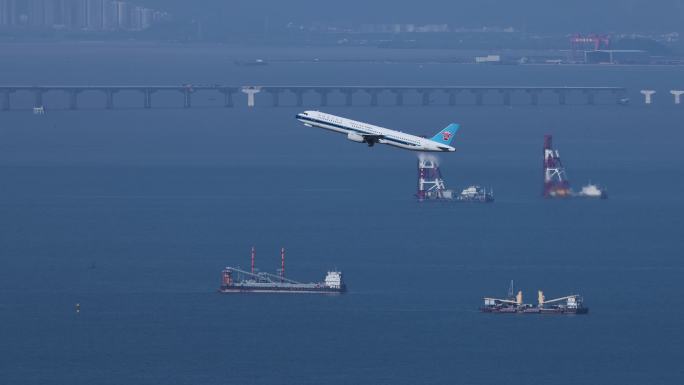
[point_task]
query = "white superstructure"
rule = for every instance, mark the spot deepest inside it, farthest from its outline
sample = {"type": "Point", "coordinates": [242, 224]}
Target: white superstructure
{"type": "Point", "coordinates": [592, 191]}
{"type": "Point", "coordinates": [333, 280]}
{"type": "Point", "coordinates": [361, 132]}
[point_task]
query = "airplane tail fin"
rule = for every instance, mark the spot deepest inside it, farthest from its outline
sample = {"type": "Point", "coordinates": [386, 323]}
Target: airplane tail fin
{"type": "Point", "coordinates": [446, 135]}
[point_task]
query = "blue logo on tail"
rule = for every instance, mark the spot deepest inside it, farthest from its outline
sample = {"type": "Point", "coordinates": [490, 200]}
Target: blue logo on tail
{"type": "Point", "coordinates": [446, 135]}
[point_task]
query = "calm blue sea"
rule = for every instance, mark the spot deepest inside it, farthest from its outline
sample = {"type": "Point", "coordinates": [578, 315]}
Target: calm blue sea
{"type": "Point", "coordinates": [133, 214]}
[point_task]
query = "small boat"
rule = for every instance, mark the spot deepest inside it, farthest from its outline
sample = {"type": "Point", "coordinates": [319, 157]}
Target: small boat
{"type": "Point", "coordinates": [593, 191]}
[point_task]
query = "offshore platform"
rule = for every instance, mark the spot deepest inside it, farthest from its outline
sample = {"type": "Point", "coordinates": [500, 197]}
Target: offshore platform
{"type": "Point", "coordinates": [236, 280]}
{"type": "Point", "coordinates": [431, 186]}
{"type": "Point", "coordinates": [513, 303]}
{"type": "Point", "coordinates": [556, 183]}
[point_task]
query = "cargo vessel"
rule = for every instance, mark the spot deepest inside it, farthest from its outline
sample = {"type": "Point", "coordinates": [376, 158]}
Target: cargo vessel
{"type": "Point", "coordinates": [570, 304]}
{"type": "Point", "coordinates": [236, 280]}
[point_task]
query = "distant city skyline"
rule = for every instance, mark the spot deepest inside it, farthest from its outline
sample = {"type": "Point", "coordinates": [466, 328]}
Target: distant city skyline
{"type": "Point", "coordinates": [537, 16]}
{"type": "Point", "coordinates": [86, 15]}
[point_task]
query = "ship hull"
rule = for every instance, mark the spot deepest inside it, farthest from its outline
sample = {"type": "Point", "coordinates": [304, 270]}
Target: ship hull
{"type": "Point", "coordinates": [276, 289]}
{"type": "Point", "coordinates": [504, 310]}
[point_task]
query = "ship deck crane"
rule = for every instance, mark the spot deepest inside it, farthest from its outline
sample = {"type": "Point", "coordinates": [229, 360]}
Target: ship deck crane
{"type": "Point", "coordinates": [543, 301]}
{"type": "Point", "coordinates": [517, 301]}
{"type": "Point", "coordinates": [263, 276]}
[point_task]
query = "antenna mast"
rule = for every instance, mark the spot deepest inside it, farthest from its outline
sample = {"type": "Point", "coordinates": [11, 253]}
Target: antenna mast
{"type": "Point", "coordinates": [282, 264]}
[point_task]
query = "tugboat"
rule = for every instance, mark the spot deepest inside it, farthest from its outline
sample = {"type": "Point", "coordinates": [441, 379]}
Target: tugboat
{"type": "Point", "coordinates": [593, 191]}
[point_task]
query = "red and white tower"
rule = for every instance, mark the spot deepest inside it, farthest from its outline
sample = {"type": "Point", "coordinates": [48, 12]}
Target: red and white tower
{"type": "Point", "coordinates": [430, 182]}
{"type": "Point", "coordinates": [556, 184]}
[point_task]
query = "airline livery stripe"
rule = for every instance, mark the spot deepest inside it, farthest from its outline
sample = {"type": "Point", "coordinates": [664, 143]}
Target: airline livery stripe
{"type": "Point", "coordinates": [302, 117]}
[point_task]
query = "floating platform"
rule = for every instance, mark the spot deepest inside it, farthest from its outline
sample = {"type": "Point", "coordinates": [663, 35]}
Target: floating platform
{"type": "Point", "coordinates": [431, 186]}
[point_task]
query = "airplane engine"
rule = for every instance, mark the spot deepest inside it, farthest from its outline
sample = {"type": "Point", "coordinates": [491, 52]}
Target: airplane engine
{"type": "Point", "coordinates": [355, 137]}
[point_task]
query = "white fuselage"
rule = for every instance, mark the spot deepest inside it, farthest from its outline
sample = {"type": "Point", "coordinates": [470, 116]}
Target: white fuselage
{"type": "Point", "coordinates": [358, 131]}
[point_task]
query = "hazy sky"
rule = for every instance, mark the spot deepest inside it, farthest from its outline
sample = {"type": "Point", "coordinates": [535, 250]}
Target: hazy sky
{"type": "Point", "coordinates": [533, 15]}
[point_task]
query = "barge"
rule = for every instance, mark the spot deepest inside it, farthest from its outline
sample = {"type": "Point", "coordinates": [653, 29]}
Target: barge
{"type": "Point", "coordinates": [513, 304]}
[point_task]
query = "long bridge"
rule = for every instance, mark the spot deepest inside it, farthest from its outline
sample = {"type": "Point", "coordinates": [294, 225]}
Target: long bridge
{"type": "Point", "coordinates": [425, 93]}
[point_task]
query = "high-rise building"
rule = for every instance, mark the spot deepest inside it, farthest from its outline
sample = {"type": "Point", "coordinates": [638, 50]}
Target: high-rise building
{"type": "Point", "coordinates": [134, 18]}
{"type": "Point", "coordinates": [121, 14]}
{"type": "Point", "coordinates": [147, 18]}
{"type": "Point", "coordinates": [108, 15]}
{"type": "Point", "coordinates": [49, 13]}
{"type": "Point", "coordinates": [92, 15]}
{"type": "Point", "coordinates": [95, 20]}
{"type": "Point", "coordinates": [36, 12]}
{"type": "Point", "coordinates": [79, 13]}
{"type": "Point", "coordinates": [4, 12]}
{"type": "Point", "coordinates": [10, 12]}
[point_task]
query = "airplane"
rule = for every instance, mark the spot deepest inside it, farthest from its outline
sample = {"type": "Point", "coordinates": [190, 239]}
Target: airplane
{"type": "Point", "coordinates": [367, 133]}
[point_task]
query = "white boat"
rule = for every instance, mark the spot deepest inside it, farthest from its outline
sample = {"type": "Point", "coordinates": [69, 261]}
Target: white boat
{"type": "Point", "coordinates": [593, 191]}
{"type": "Point", "coordinates": [476, 194]}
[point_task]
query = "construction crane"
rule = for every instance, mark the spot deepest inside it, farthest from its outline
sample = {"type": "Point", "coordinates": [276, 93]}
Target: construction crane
{"type": "Point", "coordinates": [580, 43]}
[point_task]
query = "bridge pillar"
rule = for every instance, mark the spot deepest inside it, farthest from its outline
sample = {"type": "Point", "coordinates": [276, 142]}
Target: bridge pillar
{"type": "Point", "coordinates": [534, 97]}
{"type": "Point", "coordinates": [251, 92]}
{"type": "Point", "coordinates": [227, 96]}
{"type": "Point", "coordinates": [187, 97]}
{"type": "Point", "coordinates": [275, 95]}
{"type": "Point", "coordinates": [506, 97]}
{"type": "Point", "coordinates": [677, 96]}
{"type": "Point", "coordinates": [648, 95]}
{"type": "Point", "coordinates": [148, 98]}
{"type": "Point", "coordinates": [299, 93]}
{"type": "Point", "coordinates": [6, 103]}
{"type": "Point", "coordinates": [38, 98]}
{"type": "Point", "coordinates": [399, 96]}
{"type": "Point", "coordinates": [73, 99]}
{"type": "Point", "coordinates": [562, 97]}
{"type": "Point", "coordinates": [479, 97]}
{"type": "Point", "coordinates": [374, 96]}
{"type": "Point", "coordinates": [348, 96]}
{"type": "Point", "coordinates": [591, 97]}
{"type": "Point", "coordinates": [452, 97]}
{"type": "Point", "coordinates": [324, 96]}
{"type": "Point", "coordinates": [425, 97]}
{"type": "Point", "coordinates": [109, 93]}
